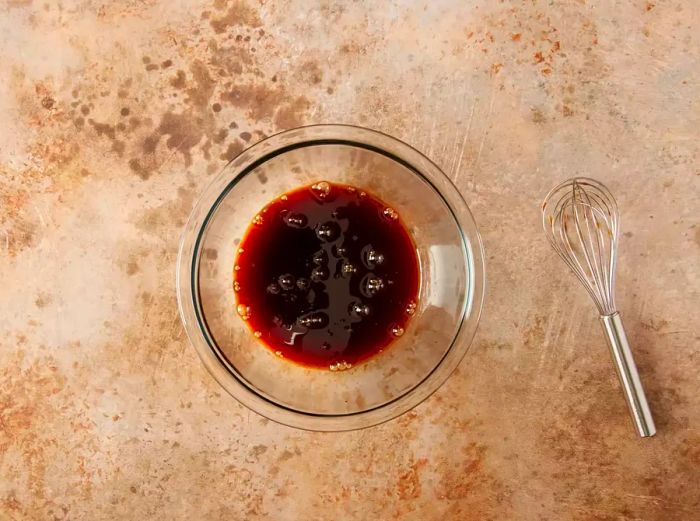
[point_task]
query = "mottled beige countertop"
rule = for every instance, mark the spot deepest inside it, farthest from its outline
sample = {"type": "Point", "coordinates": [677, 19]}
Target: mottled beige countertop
{"type": "Point", "coordinates": [114, 115]}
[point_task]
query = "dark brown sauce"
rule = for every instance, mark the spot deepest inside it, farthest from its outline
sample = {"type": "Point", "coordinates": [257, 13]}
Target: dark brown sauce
{"type": "Point", "coordinates": [327, 276]}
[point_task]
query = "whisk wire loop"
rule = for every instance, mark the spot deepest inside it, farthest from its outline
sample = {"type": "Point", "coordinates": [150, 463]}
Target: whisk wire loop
{"type": "Point", "coordinates": [580, 219]}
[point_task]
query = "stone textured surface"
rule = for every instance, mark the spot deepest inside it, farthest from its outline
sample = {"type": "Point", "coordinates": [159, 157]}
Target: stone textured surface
{"type": "Point", "coordinates": [115, 115]}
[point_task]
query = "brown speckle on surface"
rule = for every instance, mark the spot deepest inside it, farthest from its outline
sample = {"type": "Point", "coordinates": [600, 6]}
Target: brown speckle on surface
{"type": "Point", "coordinates": [118, 147]}
{"type": "Point", "coordinates": [182, 132]}
{"type": "Point", "coordinates": [102, 129]}
{"type": "Point", "coordinates": [132, 267]}
{"type": "Point", "coordinates": [106, 411]}
{"type": "Point", "coordinates": [179, 80]}
{"type": "Point", "coordinates": [138, 168]}
{"type": "Point", "coordinates": [310, 73]}
{"type": "Point", "coordinates": [232, 151]}
{"type": "Point", "coordinates": [238, 14]}
{"type": "Point", "coordinates": [43, 300]}
{"type": "Point", "coordinates": [537, 116]}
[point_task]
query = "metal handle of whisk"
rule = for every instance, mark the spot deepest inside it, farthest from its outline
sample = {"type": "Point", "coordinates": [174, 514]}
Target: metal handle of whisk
{"type": "Point", "coordinates": [627, 372]}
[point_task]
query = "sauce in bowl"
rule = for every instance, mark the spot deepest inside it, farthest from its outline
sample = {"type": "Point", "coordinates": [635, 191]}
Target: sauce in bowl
{"type": "Point", "coordinates": [327, 276]}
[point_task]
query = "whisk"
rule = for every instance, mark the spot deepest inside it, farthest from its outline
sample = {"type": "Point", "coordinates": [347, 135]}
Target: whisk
{"type": "Point", "coordinates": [581, 221]}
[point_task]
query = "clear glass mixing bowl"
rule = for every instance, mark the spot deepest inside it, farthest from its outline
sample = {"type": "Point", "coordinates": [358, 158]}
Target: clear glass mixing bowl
{"type": "Point", "coordinates": [451, 289]}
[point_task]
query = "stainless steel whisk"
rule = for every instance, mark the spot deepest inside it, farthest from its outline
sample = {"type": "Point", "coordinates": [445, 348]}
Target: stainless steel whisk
{"type": "Point", "coordinates": [581, 221]}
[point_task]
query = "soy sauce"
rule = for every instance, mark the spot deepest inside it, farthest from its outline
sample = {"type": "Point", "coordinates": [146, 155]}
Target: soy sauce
{"type": "Point", "coordinates": [327, 276]}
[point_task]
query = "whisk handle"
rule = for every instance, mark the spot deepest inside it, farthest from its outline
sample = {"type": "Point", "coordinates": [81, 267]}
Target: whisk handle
{"type": "Point", "coordinates": [629, 377]}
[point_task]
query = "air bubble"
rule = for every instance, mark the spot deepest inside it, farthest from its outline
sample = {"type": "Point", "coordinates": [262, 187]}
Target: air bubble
{"type": "Point", "coordinates": [303, 284]}
{"type": "Point", "coordinates": [279, 353]}
{"type": "Point", "coordinates": [283, 198]}
{"type": "Point", "coordinates": [319, 274]}
{"type": "Point", "coordinates": [240, 250]}
{"type": "Point", "coordinates": [390, 213]}
{"type": "Point", "coordinates": [397, 331]}
{"type": "Point", "coordinates": [371, 285]}
{"type": "Point", "coordinates": [273, 289]}
{"type": "Point", "coordinates": [295, 220]}
{"type": "Point", "coordinates": [370, 257]}
{"type": "Point", "coordinates": [328, 231]}
{"type": "Point", "coordinates": [359, 309]}
{"type": "Point", "coordinates": [339, 251]}
{"type": "Point", "coordinates": [258, 220]}
{"type": "Point", "coordinates": [257, 334]}
{"type": "Point", "coordinates": [340, 366]}
{"type": "Point", "coordinates": [347, 269]}
{"type": "Point", "coordinates": [286, 281]}
{"type": "Point", "coordinates": [375, 257]}
{"type": "Point", "coordinates": [321, 189]}
{"type": "Point", "coordinates": [236, 267]}
{"type": "Point", "coordinates": [320, 257]}
{"type": "Point", "coordinates": [313, 320]}
{"type": "Point", "coordinates": [411, 308]}
{"type": "Point", "coordinates": [375, 284]}
{"type": "Point", "coordinates": [236, 286]}
{"type": "Point", "coordinates": [243, 311]}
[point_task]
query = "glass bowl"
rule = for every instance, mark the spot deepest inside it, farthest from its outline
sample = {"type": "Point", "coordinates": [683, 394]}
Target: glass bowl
{"type": "Point", "coordinates": [451, 271]}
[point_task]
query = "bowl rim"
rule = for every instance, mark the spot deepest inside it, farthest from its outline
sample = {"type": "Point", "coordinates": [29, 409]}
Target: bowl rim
{"type": "Point", "coordinates": [189, 254]}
